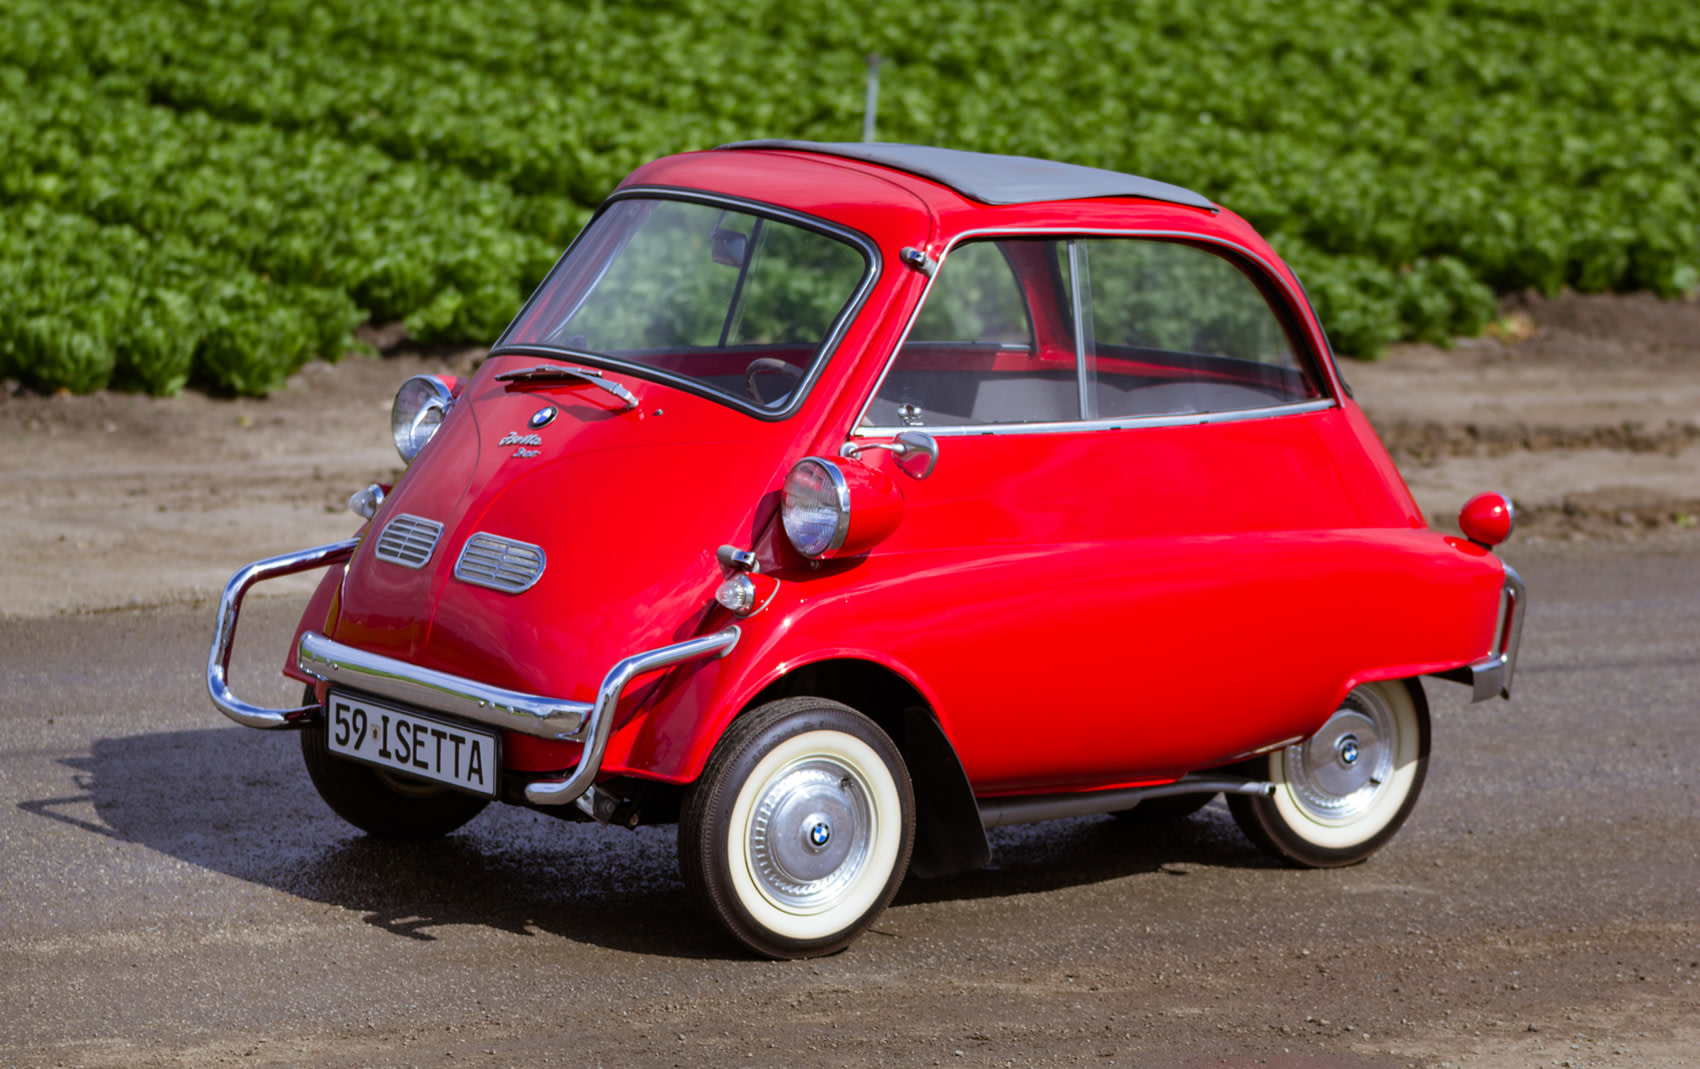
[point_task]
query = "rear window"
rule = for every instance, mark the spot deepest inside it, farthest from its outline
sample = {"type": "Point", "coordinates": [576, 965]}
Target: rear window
{"type": "Point", "coordinates": [732, 303]}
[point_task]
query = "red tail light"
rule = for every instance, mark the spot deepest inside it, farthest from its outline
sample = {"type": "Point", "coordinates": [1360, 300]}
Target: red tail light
{"type": "Point", "coordinates": [1487, 519]}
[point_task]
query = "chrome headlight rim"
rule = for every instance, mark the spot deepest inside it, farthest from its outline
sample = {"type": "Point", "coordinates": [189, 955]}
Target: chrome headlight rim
{"type": "Point", "coordinates": [414, 420]}
{"type": "Point", "coordinates": [840, 493]}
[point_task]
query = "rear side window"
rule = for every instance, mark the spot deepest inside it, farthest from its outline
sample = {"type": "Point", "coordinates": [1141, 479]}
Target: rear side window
{"type": "Point", "coordinates": [1173, 329]}
{"type": "Point", "coordinates": [1053, 330]}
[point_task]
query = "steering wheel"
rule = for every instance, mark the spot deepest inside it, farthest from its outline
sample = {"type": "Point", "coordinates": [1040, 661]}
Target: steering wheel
{"type": "Point", "coordinates": [768, 365]}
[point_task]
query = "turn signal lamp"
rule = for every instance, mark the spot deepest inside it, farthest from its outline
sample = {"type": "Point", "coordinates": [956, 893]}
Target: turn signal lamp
{"type": "Point", "coordinates": [419, 408]}
{"type": "Point", "coordinates": [1487, 519]}
{"type": "Point", "coordinates": [366, 503]}
{"type": "Point", "coordinates": [746, 595]}
{"type": "Point", "coordinates": [831, 511]}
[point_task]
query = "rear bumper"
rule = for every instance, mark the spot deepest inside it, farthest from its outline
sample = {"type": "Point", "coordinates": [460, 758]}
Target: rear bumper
{"type": "Point", "coordinates": [589, 723]}
{"type": "Point", "coordinates": [1491, 676]}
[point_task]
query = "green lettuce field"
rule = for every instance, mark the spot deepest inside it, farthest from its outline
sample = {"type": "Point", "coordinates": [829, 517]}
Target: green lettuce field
{"type": "Point", "coordinates": [216, 192]}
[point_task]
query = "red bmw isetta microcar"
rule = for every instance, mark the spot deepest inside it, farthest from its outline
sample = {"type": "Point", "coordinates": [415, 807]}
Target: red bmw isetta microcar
{"type": "Point", "coordinates": [838, 502]}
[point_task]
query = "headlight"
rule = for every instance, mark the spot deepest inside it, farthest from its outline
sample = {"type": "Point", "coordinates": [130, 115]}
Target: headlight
{"type": "Point", "coordinates": [419, 408]}
{"type": "Point", "coordinates": [816, 507]}
{"type": "Point", "coordinates": [831, 510]}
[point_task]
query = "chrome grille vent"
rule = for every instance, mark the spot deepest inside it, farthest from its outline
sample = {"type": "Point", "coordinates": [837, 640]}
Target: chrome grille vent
{"type": "Point", "coordinates": [408, 540]}
{"type": "Point", "coordinates": [499, 563]}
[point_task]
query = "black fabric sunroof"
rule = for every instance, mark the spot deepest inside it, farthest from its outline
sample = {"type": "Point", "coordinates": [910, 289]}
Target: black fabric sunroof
{"type": "Point", "coordinates": [993, 179]}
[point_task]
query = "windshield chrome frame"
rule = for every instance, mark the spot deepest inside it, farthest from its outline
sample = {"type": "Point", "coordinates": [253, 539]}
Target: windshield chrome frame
{"type": "Point", "coordinates": [824, 352]}
{"type": "Point", "coordinates": [1321, 362]}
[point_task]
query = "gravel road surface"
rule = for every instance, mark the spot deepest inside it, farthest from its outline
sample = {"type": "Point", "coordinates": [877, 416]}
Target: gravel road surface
{"type": "Point", "coordinates": [175, 894]}
{"type": "Point", "coordinates": [172, 892]}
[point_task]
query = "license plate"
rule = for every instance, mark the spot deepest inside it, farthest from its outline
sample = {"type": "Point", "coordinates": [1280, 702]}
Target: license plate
{"type": "Point", "coordinates": [405, 741]}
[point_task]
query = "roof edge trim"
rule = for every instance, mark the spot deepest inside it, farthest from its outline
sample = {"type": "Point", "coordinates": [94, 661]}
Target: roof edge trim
{"type": "Point", "coordinates": [990, 178]}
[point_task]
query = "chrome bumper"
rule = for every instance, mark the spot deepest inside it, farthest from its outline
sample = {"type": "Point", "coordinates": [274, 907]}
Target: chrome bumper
{"type": "Point", "coordinates": [230, 606]}
{"type": "Point", "coordinates": [1491, 677]}
{"type": "Point", "coordinates": [534, 714]}
{"type": "Point", "coordinates": [589, 723]}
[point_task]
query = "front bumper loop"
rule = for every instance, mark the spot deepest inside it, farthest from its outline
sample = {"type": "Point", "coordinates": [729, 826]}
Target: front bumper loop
{"type": "Point", "coordinates": [224, 635]}
{"type": "Point", "coordinates": [601, 723]}
{"type": "Point", "coordinates": [533, 714]}
{"type": "Point", "coordinates": [589, 723]}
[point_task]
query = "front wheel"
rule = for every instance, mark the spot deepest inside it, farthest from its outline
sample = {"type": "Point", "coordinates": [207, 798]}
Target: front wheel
{"type": "Point", "coordinates": [798, 832]}
{"type": "Point", "coordinates": [1341, 794]}
{"type": "Point", "coordinates": [391, 805]}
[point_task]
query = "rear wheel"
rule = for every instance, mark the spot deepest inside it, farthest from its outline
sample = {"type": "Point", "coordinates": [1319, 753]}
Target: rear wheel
{"type": "Point", "coordinates": [1341, 794]}
{"type": "Point", "coordinates": [387, 804]}
{"type": "Point", "coordinates": [798, 832]}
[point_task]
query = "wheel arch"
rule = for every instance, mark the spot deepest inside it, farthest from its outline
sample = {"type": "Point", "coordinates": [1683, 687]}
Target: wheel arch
{"type": "Point", "coordinates": [949, 836]}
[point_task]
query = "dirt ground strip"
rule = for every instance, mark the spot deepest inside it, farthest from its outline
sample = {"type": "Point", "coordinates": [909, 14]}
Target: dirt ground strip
{"type": "Point", "coordinates": [1585, 409]}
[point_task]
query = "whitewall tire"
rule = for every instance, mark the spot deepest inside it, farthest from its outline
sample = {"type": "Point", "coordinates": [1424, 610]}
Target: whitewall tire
{"type": "Point", "coordinates": [1341, 794]}
{"type": "Point", "coordinates": [798, 832]}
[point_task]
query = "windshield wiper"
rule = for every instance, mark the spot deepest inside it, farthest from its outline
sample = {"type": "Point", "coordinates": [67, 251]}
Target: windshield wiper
{"type": "Point", "coordinates": [557, 373]}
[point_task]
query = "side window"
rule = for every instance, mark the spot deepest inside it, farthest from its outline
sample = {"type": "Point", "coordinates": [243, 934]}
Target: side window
{"type": "Point", "coordinates": [1049, 330]}
{"type": "Point", "coordinates": [1174, 329]}
{"type": "Point", "coordinates": [972, 355]}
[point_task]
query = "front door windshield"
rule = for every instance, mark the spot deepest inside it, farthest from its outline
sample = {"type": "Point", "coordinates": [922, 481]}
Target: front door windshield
{"type": "Point", "coordinates": [731, 303]}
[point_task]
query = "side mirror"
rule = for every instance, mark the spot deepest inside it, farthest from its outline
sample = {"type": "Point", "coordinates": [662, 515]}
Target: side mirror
{"type": "Point", "coordinates": [916, 452]}
{"type": "Point", "coordinates": [729, 247]}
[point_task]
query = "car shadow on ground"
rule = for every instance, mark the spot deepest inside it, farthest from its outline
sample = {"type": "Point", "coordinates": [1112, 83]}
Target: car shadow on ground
{"type": "Point", "coordinates": [1056, 854]}
{"type": "Point", "coordinates": [239, 803]}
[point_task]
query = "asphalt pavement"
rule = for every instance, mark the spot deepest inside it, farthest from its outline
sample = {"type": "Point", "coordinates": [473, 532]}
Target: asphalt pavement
{"type": "Point", "coordinates": [172, 892]}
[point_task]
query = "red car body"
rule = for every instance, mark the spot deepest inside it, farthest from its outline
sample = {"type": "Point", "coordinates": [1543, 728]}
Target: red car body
{"type": "Point", "coordinates": [1079, 606]}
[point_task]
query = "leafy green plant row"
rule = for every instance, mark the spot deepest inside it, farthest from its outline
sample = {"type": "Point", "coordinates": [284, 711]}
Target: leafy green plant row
{"type": "Point", "coordinates": [90, 306]}
{"type": "Point", "coordinates": [1408, 157]}
{"type": "Point", "coordinates": [258, 248]}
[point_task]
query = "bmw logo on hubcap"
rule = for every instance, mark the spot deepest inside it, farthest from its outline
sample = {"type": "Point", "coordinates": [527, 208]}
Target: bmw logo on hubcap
{"type": "Point", "coordinates": [544, 416]}
{"type": "Point", "coordinates": [820, 834]}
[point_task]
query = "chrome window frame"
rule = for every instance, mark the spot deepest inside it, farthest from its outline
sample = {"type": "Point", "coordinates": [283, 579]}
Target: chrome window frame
{"type": "Point", "coordinates": [1322, 362]}
{"type": "Point", "coordinates": [824, 352]}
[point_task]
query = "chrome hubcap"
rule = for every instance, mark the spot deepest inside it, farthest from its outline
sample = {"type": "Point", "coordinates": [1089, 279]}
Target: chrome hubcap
{"type": "Point", "coordinates": [1336, 774]}
{"type": "Point", "coordinates": [819, 832]}
{"type": "Point", "coordinates": [1347, 748]}
{"type": "Point", "coordinates": [810, 834]}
